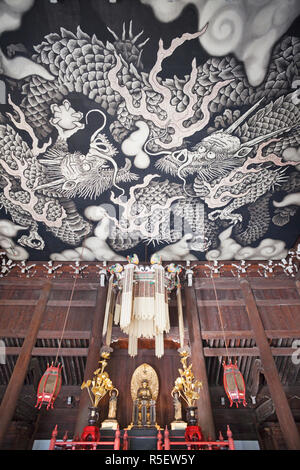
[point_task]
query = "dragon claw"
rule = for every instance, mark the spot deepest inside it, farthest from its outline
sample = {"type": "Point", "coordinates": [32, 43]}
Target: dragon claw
{"type": "Point", "coordinates": [223, 215]}
{"type": "Point", "coordinates": [214, 215]}
{"type": "Point", "coordinates": [65, 119]}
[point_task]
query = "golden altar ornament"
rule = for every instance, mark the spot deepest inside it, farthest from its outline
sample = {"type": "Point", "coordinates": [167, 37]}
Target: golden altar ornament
{"type": "Point", "coordinates": [186, 385]}
{"type": "Point", "coordinates": [100, 384]}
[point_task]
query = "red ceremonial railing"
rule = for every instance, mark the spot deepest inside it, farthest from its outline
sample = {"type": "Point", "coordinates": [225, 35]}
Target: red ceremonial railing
{"type": "Point", "coordinates": [197, 445]}
{"type": "Point", "coordinates": [84, 445]}
{"type": "Point", "coordinates": [164, 442]}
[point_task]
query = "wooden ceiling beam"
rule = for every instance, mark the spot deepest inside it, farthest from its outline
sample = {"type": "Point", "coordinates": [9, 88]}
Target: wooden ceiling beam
{"type": "Point", "coordinates": [51, 303]}
{"type": "Point", "coordinates": [283, 411]}
{"type": "Point", "coordinates": [248, 334]}
{"type": "Point", "coordinates": [208, 352]}
{"type": "Point", "coordinates": [15, 351]}
{"type": "Point", "coordinates": [201, 303]}
{"type": "Point", "coordinates": [206, 334]}
{"type": "Point", "coordinates": [219, 352]}
{"type": "Point", "coordinates": [47, 334]}
{"type": "Point", "coordinates": [261, 283]}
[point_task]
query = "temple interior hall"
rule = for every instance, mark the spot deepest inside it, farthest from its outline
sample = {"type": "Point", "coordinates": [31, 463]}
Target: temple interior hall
{"type": "Point", "coordinates": [149, 225]}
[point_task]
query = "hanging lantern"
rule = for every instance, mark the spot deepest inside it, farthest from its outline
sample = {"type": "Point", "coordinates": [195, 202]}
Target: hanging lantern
{"type": "Point", "coordinates": [140, 305]}
{"type": "Point", "coordinates": [234, 384]}
{"type": "Point", "coordinates": [49, 386]}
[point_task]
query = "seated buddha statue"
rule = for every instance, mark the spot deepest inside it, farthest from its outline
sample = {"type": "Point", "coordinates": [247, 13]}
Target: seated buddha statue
{"type": "Point", "coordinates": [144, 406]}
{"type": "Point", "coordinates": [144, 392]}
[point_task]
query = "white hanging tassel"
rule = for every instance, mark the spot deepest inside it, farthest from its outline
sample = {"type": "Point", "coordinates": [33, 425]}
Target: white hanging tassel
{"type": "Point", "coordinates": [108, 304]}
{"type": "Point", "coordinates": [109, 329]}
{"type": "Point", "coordinates": [118, 308]}
{"type": "Point", "coordinates": [159, 345]}
{"type": "Point", "coordinates": [132, 345]}
{"type": "Point", "coordinates": [143, 303]}
{"type": "Point", "coordinates": [126, 307]}
{"type": "Point", "coordinates": [167, 316]}
{"type": "Point", "coordinates": [159, 298]}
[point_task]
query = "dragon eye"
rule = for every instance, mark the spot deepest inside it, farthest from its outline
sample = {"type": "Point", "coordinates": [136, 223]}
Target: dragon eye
{"type": "Point", "coordinates": [211, 155]}
{"type": "Point", "coordinates": [102, 147]}
{"type": "Point", "coordinates": [86, 167]}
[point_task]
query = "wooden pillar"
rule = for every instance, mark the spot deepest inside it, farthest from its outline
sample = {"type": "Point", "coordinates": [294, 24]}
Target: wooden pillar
{"type": "Point", "coordinates": [205, 415]}
{"type": "Point", "coordinates": [16, 382]}
{"type": "Point", "coordinates": [93, 358]}
{"type": "Point", "coordinates": [283, 411]}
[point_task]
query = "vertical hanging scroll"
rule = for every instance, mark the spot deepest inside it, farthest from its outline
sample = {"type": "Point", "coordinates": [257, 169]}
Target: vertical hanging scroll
{"type": "Point", "coordinates": [127, 294]}
{"type": "Point", "coordinates": [118, 308]}
{"type": "Point", "coordinates": [180, 315]}
{"type": "Point", "coordinates": [108, 304]}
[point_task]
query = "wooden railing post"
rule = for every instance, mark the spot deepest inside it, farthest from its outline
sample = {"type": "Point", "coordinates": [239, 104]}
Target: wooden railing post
{"type": "Point", "coordinates": [125, 440]}
{"type": "Point", "coordinates": [166, 439]}
{"type": "Point", "coordinates": [229, 438]}
{"type": "Point", "coordinates": [53, 439]}
{"type": "Point", "coordinates": [159, 440]}
{"type": "Point", "coordinates": [117, 440]}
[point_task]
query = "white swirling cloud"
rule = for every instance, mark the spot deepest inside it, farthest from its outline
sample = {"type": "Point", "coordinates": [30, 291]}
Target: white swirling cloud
{"type": "Point", "coordinates": [292, 154]}
{"type": "Point", "coordinates": [229, 249]}
{"type": "Point", "coordinates": [8, 230]}
{"type": "Point", "coordinates": [11, 12]}
{"type": "Point", "coordinates": [246, 28]}
{"type": "Point", "coordinates": [178, 251]}
{"type": "Point", "coordinates": [94, 248]}
{"type": "Point", "coordinates": [289, 200]}
{"type": "Point", "coordinates": [133, 146]}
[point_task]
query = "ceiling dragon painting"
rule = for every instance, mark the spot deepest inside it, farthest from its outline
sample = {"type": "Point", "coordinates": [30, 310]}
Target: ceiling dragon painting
{"type": "Point", "coordinates": [147, 126]}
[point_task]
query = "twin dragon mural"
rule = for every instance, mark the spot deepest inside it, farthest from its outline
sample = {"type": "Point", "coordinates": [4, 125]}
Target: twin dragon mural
{"type": "Point", "coordinates": [151, 126]}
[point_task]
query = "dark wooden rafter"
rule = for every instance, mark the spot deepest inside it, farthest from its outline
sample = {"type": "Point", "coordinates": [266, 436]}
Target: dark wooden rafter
{"type": "Point", "coordinates": [283, 411]}
{"type": "Point", "coordinates": [207, 351]}
{"type": "Point", "coordinates": [14, 387]}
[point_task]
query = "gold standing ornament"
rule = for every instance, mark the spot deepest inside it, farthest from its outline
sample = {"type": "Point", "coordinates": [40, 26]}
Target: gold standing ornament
{"type": "Point", "coordinates": [101, 384]}
{"type": "Point", "coordinates": [186, 385]}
